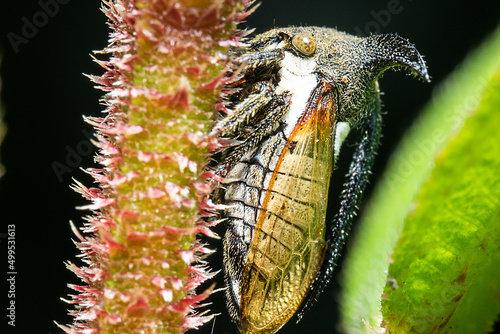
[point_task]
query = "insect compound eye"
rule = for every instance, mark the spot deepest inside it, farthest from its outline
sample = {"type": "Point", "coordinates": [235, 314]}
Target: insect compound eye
{"type": "Point", "coordinates": [304, 43]}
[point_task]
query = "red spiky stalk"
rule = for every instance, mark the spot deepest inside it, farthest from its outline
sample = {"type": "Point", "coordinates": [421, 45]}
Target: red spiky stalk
{"type": "Point", "coordinates": [162, 78]}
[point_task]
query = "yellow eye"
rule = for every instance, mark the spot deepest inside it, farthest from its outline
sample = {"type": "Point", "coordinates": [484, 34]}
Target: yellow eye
{"type": "Point", "coordinates": [304, 43]}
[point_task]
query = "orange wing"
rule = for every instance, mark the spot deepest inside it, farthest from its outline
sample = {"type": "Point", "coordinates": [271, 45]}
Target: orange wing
{"type": "Point", "coordinates": [288, 245]}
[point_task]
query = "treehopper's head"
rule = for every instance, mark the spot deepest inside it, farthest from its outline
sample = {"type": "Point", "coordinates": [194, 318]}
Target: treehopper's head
{"type": "Point", "coordinates": [352, 63]}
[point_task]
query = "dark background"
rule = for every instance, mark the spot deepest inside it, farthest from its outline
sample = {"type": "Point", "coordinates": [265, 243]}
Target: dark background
{"type": "Point", "coordinates": [44, 96]}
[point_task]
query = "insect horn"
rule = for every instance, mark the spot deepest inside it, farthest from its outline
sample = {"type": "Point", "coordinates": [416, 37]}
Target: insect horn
{"type": "Point", "coordinates": [387, 50]}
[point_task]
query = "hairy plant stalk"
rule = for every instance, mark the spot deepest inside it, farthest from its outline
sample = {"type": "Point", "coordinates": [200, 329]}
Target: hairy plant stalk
{"type": "Point", "coordinates": [165, 69]}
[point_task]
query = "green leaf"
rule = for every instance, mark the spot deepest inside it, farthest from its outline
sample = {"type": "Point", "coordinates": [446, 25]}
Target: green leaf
{"type": "Point", "coordinates": [440, 201]}
{"type": "Point", "coordinates": [453, 234]}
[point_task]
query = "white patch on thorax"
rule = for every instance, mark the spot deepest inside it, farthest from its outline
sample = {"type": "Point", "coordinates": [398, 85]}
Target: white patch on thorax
{"type": "Point", "coordinates": [341, 131]}
{"type": "Point", "coordinates": [298, 79]}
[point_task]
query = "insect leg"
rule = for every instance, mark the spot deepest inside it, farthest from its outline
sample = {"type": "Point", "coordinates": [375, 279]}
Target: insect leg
{"type": "Point", "coordinates": [277, 109]}
{"type": "Point", "coordinates": [260, 58]}
{"type": "Point", "coordinates": [357, 178]}
{"type": "Point", "coordinates": [242, 112]}
{"type": "Point", "coordinates": [250, 62]}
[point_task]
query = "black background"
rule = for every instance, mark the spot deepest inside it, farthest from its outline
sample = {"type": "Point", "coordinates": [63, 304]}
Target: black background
{"type": "Point", "coordinates": [44, 96]}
